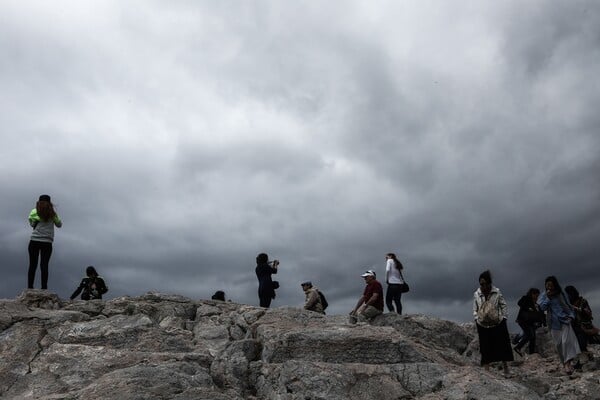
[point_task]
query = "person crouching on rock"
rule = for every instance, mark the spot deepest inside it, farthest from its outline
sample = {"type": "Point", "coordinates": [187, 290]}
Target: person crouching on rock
{"type": "Point", "coordinates": [370, 304]}
{"type": "Point", "coordinates": [219, 295]}
{"type": "Point", "coordinates": [91, 287]}
{"type": "Point", "coordinates": [313, 299]}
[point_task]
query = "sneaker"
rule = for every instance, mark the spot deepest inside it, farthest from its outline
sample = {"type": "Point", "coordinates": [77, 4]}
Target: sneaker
{"type": "Point", "coordinates": [518, 351]}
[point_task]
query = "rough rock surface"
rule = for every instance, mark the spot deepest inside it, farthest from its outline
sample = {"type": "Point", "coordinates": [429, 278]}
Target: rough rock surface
{"type": "Point", "coordinates": [160, 346]}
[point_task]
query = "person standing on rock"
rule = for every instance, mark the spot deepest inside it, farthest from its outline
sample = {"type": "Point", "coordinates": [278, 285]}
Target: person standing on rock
{"type": "Point", "coordinates": [583, 319]}
{"type": "Point", "coordinates": [393, 278]}
{"type": "Point", "coordinates": [491, 312]}
{"type": "Point", "coordinates": [561, 313]}
{"type": "Point", "coordinates": [313, 298]}
{"type": "Point", "coordinates": [266, 286]}
{"type": "Point", "coordinates": [43, 218]}
{"type": "Point", "coordinates": [370, 304]}
{"type": "Point", "coordinates": [91, 287]}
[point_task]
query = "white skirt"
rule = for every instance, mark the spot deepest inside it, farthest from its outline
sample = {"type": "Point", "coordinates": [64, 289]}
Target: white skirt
{"type": "Point", "coordinates": [566, 343]}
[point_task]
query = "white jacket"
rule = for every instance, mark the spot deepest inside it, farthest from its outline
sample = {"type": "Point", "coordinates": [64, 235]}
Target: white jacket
{"type": "Point", "coordinates": [495, 297]}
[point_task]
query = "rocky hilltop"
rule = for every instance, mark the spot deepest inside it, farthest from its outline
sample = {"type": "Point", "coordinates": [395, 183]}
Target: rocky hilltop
{"type": "Point", "coordinates": [161, 346]}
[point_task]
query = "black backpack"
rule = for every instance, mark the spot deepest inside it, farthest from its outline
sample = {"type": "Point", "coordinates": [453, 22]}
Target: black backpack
{"type": "Point", "coordinates": [324, 302]}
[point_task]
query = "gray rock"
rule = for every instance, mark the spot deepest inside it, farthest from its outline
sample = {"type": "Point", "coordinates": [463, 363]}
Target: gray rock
{"type": "Point", "coordinates": [162, 346]}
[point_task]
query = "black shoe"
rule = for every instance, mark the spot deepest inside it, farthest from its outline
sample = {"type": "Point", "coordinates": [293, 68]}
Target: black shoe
{"type": "Point", "coordinates": [518, 351]}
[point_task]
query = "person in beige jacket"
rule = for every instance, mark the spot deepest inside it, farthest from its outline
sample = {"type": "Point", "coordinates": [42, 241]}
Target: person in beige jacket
{"type": "Point", "coordinates": [313, 300]}
{"type": "Point", "coordinates": [490, 313]}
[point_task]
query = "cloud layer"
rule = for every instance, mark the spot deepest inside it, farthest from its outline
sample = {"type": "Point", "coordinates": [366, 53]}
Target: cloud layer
{"type": "Point", "coordinates": [180, 140]}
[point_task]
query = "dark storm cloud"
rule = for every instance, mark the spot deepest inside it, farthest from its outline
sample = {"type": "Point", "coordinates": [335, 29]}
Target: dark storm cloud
{"type": "Point", "coordinates": [178, 142]}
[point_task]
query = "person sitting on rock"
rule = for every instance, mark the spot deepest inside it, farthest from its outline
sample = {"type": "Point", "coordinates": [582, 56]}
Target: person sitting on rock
{"type": "Point", "coordinates": [313, 299]}
{"type": "Point", "coordinates": [91, 287]}
{"type": "Point", "coordinates": [370, 304]}
{"type": "Point", "coordinates": [219, 295]}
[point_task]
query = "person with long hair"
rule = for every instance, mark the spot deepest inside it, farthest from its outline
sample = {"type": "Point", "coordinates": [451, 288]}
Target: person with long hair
{"type": "Point", "coordinates": [92, 287]}
{"type": "Point", "coordinates": [491, 312]}
{"type": "Point", "coordinates": [584, 329]}
{"type": "Point", "coordinates": [561, 313]}
{"type": "Point", "coordinates": [393, 278]}
{"type": "Point", "coordinates": [43, 218]}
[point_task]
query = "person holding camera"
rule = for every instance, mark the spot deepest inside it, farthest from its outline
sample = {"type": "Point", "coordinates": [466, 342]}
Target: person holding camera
{"type": "Point", "coordinates": [43, 218]}
{"type": "Point", "coordinates": [266, 286]}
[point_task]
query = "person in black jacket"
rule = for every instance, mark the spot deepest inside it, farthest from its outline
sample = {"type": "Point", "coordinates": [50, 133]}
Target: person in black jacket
{"type": "Point", "coordinates": [219, 295]}
{"type": "Point", "coordinates": [529, 319]}
{"type": "Point", "coordinates": [92, 287]}
{"type": "Point", "coordinates": [266, 286]}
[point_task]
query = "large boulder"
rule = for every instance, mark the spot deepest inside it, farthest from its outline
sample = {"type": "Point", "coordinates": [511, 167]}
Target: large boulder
{"type": "Point", "coordinates": [163, 346]}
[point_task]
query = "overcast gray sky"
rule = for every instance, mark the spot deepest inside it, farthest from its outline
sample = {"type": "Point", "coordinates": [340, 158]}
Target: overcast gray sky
{"type": "Point", "coordinates": [179, 139]}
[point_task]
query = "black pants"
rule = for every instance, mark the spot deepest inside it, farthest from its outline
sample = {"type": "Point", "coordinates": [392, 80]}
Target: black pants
{"type": "Point", "coordinates": [528, 336]}
{"type": "Point", "coordinates": [35, 250]}
{"type": "Point", "coordinates": [265, 301]}
{"type": "Point", "coordinates": [582, 338]}
{"type": "Point", "coordinates": [393, 296]}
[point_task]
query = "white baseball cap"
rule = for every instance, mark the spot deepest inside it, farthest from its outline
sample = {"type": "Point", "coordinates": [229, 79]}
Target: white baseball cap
{"type": "Point", "coordinates": [369, 272]}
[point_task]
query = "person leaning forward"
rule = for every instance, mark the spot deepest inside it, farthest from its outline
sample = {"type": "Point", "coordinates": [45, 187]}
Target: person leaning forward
{"type": "Point", "coordinates": [370, 304]}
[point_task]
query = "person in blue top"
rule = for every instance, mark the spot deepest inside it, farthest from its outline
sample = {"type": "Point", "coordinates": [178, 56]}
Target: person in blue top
{"type": "Point", "coordinates": [561, 314]}
{"type": "Point", "coordinates": [42, 219]}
